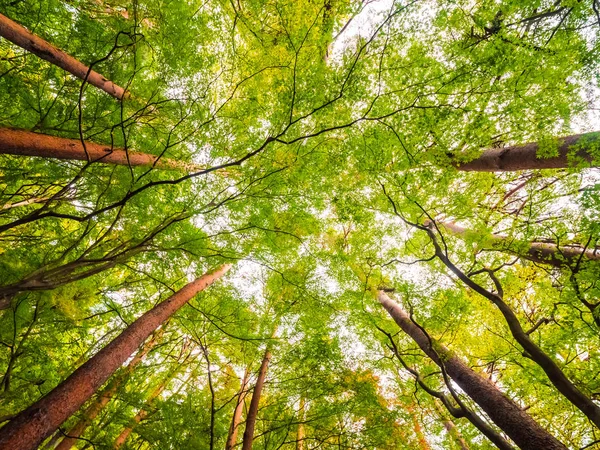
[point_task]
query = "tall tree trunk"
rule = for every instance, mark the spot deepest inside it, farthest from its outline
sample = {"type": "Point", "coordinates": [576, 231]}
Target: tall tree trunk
{"type": "Point", "coordinates": [301, 418]}
{"type": "Point", "coordinates": [28, 143]}
{"type": "Point", "coordinates": [253, 409]}
{"type": "Point", "coordinates": [505, 413]}
{"type": "Point", "coordinates": [73, 434]}
{"type": "Point", "coordinates": [237, 413]}
{"type": "Point", "coordinates": [524, 157]}
{"type": "Point", "coordinates": [36, 45]}
{"type": "Point", "coordinates": [539, 252]}
{"type": "Point", "coordinates": [30, 427]}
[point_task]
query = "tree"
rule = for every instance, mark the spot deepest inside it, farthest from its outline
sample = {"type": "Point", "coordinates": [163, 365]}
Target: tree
{"type": "Point", "coordinates": [20, 36]}
{"type": "Point", "coordinates": [307, 139]}
{"type": "Point", "coordinates": [42, 418]}
{"type": "Point", "coordinates": [25, 143]}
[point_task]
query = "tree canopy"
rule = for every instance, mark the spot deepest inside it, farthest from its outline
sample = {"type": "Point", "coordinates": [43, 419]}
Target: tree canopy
{"type": "Point", "coordinates": [407, 192]}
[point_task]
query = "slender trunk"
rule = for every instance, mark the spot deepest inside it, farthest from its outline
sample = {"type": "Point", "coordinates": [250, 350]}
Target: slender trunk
{"type": "Point", "coordinates": [505, 413]}
{"type": "Point", "coordinates": [539, 252]}
{"type": "Point", "coordinates": [300, 433]}
{"type": "Point", "coordinates": [30, 427]}
{"type": "Point", "coordinates": [253, 409]}
{"type": "Point", "coordinates": [450, 427]}
{"type": "Point", "coordinates": [524, 157]}
{"type": "Point", "coordinates": [77, 430]}
{"type": "Point", "coordinates": [28, 143]}
{"type": "Point", "coordinates": [18, 35]}
{"type": "Point", "coordinates": [237, 413]}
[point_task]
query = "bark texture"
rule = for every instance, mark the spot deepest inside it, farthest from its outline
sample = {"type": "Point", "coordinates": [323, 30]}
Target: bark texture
{"type": "Point", "coordinates": [237, 413]}
{"type": "Point", "coordinates": [524, 157]}
{"type": "Point", "coordinates": [20, 36]}
{"type": "Point", "coordinates": [30, 427]}
{"type": "Point", "coordinates": [27, 143]}
{"type": "Point", "coordinates": [539, 252]}
{"type": "Point", "coordinates": [105, 396]}
{"type": "Point", "coordinates": [505, 413]}
{"type": "Point", "coordinates": [253, 409]}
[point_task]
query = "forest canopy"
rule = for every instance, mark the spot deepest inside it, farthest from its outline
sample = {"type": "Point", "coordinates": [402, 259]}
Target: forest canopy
{"type": "Point", "coordinates": [299, 224]}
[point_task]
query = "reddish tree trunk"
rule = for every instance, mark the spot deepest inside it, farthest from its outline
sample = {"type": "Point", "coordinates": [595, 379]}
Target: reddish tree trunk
{"type": "Point", "coordinates": [30, 427]}
{"type": "Point", "coordinates": [539, 252]}
{"type": "Point", "coordinates": [105, 396]}
{"type": "Point", "coordinates": [253, 409]}
{"type": "Point", "coordinates": [36, 45]}
{"type": "Point", "coordinates": [524, 157]}
{"type": "Point", "coordinates": [237, 413]}
{"type": "Point", "coordinates": [27, 143]}
{"type": "Point", "coordinates": [505, 413]}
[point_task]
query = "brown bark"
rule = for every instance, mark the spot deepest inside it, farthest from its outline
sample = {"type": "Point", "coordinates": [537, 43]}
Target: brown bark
{"type": "Point", "coordinates": [237, 413]}
{"type": "Point", "coordinates": [27, 143]}
{"type": "Point", "coordinates": [505, 413]}
{"type": "Point", "coordinates": [18, 35]}
{"type": "Point", "coordinates": [524, 157]}
{"type": "Point", "coordinates": [253, 409]}
{"type": "Point", "coordinates": [30, 427]}
{"type": "Point", "coordinates": [539, 252]}
{"type": "Point", "coordinates": [106, 395]}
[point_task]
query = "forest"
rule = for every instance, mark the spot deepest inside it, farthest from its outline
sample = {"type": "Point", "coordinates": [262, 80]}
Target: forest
{"type": "Point", "coordinates": [299, 224]}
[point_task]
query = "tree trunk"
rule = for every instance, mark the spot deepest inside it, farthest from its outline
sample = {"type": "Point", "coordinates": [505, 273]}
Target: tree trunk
{"type": "Point", "coordinates": [253, 409]}
{"type": "Point", "coordinates": [300, 433]}
{"type": "Point", "coordinates": [28, 143]}
{"type": "Point", "coordinates": [106, 395]}
{"type": "Point", "coordinates": [539, 252]}
{"type": "Point", "coordinates": [18, 35]}
{"type": "Point", "coordinates": [524, 157]}
{"type": "Point", "coordinates": [30, 427]}
{"type": "Point", "coordinates": [505, 413]}
{"type": "Point", "coordinates": [237, 413]}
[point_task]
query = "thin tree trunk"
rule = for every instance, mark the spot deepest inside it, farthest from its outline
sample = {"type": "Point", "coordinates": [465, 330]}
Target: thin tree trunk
{"type": "Point", "coordinates": [20, 36]}
{"type": "Point", "coordinates": [237, 413]}
{"type": "Point", "coordinates": [73, 434]}
{"type": "Point", "coordinates": [505, 413]}
{"type": "Point", "coordinates": [539, 252]}
{"type": "Point", "coordinates": [30, 427]}
{"type": "Point", "coordinates": [28, 143]}
{"type": "Point", "coordinates": [300, 433]}
{"type": "Point", "coordinates": [253, 409]}
{"type": "Point", "coordinates": [524, 157]}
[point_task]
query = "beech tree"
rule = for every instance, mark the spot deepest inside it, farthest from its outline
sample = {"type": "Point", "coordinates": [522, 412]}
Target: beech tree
{"type": "Point", "coordinates": [445, 151]}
